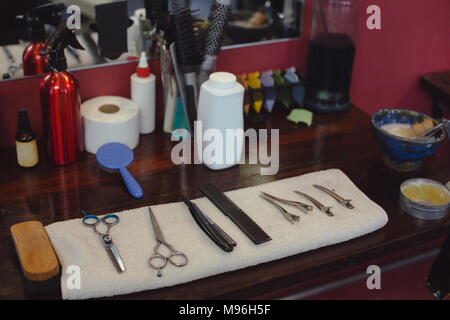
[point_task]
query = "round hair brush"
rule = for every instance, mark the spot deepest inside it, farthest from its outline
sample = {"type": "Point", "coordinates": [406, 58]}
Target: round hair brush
{"type": "Point", "coordinates": [220, 12]}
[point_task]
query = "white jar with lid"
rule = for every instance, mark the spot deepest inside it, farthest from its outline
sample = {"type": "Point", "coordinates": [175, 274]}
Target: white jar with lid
{"type": "Point", "coordinates": [220, 116]}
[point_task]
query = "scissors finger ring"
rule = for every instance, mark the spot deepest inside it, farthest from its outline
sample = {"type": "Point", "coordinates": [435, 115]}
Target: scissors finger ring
{"type": "Point", "coordinates": [162, 263]}
{"type": "Point", "coordinates": [177, 254]}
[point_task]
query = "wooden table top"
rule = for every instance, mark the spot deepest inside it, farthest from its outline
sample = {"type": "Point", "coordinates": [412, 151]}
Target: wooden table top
{"type": "Point", "coordinates": [50, 193]}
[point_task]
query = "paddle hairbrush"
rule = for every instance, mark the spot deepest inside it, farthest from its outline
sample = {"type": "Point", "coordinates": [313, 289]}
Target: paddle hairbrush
{"type": "Point", "coordinates": [117, 157]}
{"type": "Point", "coordinates": [188, 57]}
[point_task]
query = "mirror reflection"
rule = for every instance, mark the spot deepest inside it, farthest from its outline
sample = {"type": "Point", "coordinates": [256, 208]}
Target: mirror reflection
{"type": "Point", "coordinates": [115, 31]}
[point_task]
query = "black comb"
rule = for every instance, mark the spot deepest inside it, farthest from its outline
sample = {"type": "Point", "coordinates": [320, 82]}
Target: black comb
{"type": "Point", "coordinates": [188, 53]}
{"type": "Point", "coordinates": [188, 58]}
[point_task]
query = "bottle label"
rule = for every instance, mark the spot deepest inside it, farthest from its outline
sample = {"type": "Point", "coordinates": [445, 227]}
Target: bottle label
{"type": "Point", "coordinates": [27, 153]}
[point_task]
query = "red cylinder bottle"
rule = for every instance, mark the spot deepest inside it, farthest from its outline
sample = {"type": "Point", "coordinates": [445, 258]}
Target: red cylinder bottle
{"type": "Point", "coordinates": [60, 100]}
{"type": "Point", "coordinates": [32, 61]}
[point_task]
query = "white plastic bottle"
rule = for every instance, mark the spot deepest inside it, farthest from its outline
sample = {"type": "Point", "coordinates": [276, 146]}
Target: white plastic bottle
{"type": "Point", "coordinates": [143, 93]}
{"type": "Point", "coordinates": [221, 117]}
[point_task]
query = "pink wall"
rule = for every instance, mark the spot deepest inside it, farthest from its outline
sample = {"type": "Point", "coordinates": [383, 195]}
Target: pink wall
{"type": "Point", "coordinates": [413, 40]}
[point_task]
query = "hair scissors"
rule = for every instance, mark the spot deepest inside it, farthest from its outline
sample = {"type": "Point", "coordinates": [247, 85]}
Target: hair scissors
{"type": "Point", "coordinates": [157, 256]}
{"type": "Point", "coordinates": [109, 220]}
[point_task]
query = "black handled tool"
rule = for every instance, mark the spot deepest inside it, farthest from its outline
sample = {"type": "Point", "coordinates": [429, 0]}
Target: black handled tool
{"type": "Point", "coordinates": [231, 210]}
{"type": "Point", "coordinates": [212, 230]}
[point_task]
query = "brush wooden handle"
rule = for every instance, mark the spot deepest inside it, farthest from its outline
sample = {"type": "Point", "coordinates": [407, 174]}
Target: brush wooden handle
{"type": "Point", "coordinates": [36, 255]}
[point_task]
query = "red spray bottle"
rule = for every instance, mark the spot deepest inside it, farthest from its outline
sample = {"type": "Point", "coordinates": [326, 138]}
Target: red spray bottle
{"type": "Point", "coordinates": [60, 100]}
{"type": "Point", "coordinates": [36, 19]}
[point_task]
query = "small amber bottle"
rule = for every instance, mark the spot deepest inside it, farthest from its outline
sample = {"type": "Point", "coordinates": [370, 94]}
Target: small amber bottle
{"type": "Point", "coordinates": [26, 147]}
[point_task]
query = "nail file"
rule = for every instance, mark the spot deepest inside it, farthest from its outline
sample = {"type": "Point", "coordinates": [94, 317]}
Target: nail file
{"type": "Point", "coordinates": [237, 215]}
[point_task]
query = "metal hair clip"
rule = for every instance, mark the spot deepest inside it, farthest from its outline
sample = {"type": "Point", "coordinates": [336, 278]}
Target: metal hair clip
{"type": "Point", "coordinates": [316, 203]}
{"type": "Point", "coordinates": [345, 202]}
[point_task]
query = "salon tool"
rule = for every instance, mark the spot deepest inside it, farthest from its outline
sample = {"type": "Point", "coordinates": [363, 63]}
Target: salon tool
{"type": "Point", "coordinates": [170, 102]}
{"type": "Point", "coordinates": [179, 118]}
{"type": "Point", "coordinates": [320, 206]}
{"type": "Point", "coordinates": [109, 220]}
{"type": "Point", "coordinates": [170, 88]}
{"type": "Point", "coordinates": [26, 147]}
{"type": "Point", "coordinates": [117, 156]}
{"type": "Point", "coordinates": [110, 119]}
{"type": "Point", "coordinates": [422, 128]}
{"type": "Point", "coordinates": [424, 199]}
{"type": "Point", "coordinates": [242, 79]}
{"type": "Point", "coordinates": [345, 202]}
{"type": "Point", "coordinates": [270, 93]}
{"type": "Point", "coordinates": [220, 12]}
{"type": "Point", "coordinates": [256, 93]}
{"type": "Point", "coordinates": [300, 115]}
{"type": "Point", "coordinates": [36, 20]}
{"type": "Point", "coordinates": [143, 93]}
{"type": "Point", "coordinates": [299, 205]}
{"type": "Point", "coordinates": [437, 280]}
{"type": "Point", "coordinates": [60, 100]}
{"type": "Point", "coordinates": [445, 124]}
{"type": "Point", "coordinates": [289, 216]}
{"type": "Point", "coordinates": [298, 91]}
{"type": "Point", "coordinates": [220, 109]}
{"type": "Point", "coordinates": [188, 58]}
{"type": "Point", "coordinates": [190, 115]}
{"type": "Point", "coordinates": [160, 257]}
{"type": "Point", "coordinates": [37, 258]}
{"type": "Point", "coordinates": [401, 153]}
{"type": "Point", "coordinates": [283, 92]}
{"type": "Point", "coordinates": [212, 230]}
{"type": "Point", "coordinates": [237, 215]}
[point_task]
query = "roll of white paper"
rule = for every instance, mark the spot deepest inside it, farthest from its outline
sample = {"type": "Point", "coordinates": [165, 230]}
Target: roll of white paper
{"type": "Point", "coordinates": [110, 119]}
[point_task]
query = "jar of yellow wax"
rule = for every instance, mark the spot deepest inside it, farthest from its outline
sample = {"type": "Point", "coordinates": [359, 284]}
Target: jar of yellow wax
{"type": "Point", "coordinates": [424, 199]}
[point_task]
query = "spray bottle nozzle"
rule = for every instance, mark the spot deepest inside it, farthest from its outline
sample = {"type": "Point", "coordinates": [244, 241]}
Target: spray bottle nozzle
{"type": "Point", "coordinates": [55, 44]}
{"type": "Point", "coordinates": [37, 18]}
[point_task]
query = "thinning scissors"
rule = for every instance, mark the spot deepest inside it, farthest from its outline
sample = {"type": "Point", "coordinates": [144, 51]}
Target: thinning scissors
{"type": "Point", "coordinates": [157, 256]}
{"type": "Point", "coordinates": [109, 220]}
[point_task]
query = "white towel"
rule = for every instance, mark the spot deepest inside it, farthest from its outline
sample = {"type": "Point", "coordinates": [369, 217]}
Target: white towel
{"type": "Point", "coordinates": [78, 245]}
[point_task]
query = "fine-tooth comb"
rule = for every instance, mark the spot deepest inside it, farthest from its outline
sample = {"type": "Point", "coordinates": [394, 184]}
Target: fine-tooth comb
{"type": "Point", "coordinates": [299, 205]}
{"type": "Point", "coordinates": [345, 202]}
{"type": "Point", "coordinates": [320, 206]}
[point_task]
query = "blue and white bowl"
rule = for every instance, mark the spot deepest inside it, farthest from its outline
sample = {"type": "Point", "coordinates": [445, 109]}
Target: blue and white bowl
{"type": "Point", "coordinates": [400, 153]}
